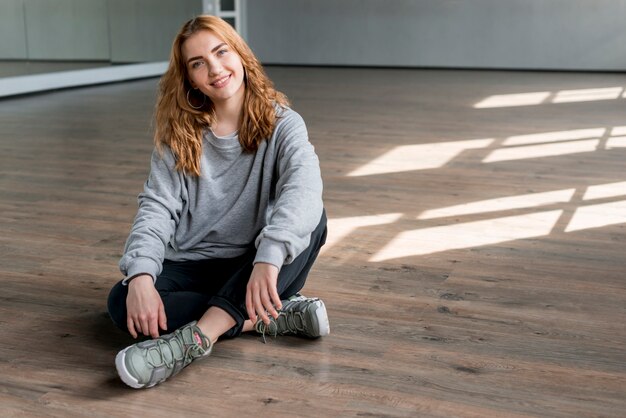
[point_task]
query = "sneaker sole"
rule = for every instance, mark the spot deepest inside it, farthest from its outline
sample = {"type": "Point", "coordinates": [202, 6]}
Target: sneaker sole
{"type": "Point", "coordinates": [122, 371]}
{"type": "Point", "coordinates": [322, 318]}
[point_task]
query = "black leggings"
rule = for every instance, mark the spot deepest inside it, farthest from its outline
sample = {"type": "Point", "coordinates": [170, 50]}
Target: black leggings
{"type": "Point", "coordinates": [189, 288]}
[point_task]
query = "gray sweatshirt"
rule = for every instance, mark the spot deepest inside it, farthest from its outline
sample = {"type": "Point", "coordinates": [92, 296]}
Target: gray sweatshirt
{"type": "Point", "coordinates": [271, 199]}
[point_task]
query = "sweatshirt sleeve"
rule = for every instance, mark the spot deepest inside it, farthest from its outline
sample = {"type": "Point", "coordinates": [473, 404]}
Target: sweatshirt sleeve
{"type": "Point", "coordinates": [159, 212]}
{"type": "Point", "coordinates": [298, 206]}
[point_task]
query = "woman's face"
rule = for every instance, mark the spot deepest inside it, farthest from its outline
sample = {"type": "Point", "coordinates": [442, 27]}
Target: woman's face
{"type": "Point", "coordinates": [213, 67]}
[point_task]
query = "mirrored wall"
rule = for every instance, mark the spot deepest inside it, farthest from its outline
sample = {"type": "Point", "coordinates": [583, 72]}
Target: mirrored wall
{"type": "Point", "coordinates": [47, 36]}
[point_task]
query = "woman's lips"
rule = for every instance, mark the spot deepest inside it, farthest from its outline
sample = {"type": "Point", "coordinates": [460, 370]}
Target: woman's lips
{"type": "Point", "coordinates": [221, 82]}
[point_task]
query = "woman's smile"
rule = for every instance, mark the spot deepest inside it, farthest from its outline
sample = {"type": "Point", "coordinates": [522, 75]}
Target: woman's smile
{"type": "Point", "coordinates": [221, 82]}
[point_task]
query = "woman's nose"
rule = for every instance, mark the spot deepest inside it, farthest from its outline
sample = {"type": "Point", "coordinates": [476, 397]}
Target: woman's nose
{"type": "Point", "coordinates": [215, 68]}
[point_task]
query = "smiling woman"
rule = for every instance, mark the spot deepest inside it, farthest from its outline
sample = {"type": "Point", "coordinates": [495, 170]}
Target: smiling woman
{"type": "Point", "coordinates": [205, 51]}
{"type": "Point", "coordinates": [231, 219]}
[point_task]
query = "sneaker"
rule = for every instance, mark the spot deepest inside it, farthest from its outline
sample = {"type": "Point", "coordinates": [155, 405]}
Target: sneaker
{"type": "Point", "coordinates": [150, 362]}
{"type": "Point", "coordinates": [299, 316]}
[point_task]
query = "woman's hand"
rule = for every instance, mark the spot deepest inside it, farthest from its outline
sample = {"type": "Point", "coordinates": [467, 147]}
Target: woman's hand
{"type": "Point", "coordinates": [145, 311]}
{"type": "Point", "coordinates": [261, 294]}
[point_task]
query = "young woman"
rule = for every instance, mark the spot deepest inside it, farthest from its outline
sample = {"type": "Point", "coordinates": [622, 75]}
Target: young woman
{"type": "Point", "coordinates": [231, 218]}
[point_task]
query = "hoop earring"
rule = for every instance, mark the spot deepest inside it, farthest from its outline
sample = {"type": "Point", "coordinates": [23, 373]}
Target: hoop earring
{"type": "Point", "coordinates": [192, 106]}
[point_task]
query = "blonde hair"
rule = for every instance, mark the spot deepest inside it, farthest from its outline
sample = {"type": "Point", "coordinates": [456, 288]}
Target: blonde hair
{"type": "Point", "coordinates": [181, 126]}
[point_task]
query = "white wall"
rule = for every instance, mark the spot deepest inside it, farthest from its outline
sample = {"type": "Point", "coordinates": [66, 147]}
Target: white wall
{"type": "Point", "coordinates": [515, 34]}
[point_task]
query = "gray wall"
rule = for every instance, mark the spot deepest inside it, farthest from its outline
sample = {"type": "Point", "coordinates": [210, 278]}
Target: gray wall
{"type": "Point", "coordinates": [519, 34]}
{"type": "Point", "coordinates": [92, 30]}
{"type": "Point", "coordinates": [12, 30]}
{"type": "Point", "coordinates": [516, 34]}
{"type": "Point", "coordinates": [143, 30]}
{"type": "Point", "coordinates": [67, 29]}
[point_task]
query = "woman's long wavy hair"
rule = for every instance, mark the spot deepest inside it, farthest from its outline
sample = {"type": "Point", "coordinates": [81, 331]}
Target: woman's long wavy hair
{"type": "Point", "coordinates": [181, 126]}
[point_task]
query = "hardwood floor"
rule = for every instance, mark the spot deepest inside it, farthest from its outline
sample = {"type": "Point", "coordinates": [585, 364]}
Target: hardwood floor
{"type": "Point", "coordinates": [475, 265]}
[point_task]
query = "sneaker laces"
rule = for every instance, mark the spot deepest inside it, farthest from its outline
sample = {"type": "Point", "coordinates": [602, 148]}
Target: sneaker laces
{"type": "Point", "coordinates": [292, 321]}
{"type": "Point", "coordinates": [189, 351]}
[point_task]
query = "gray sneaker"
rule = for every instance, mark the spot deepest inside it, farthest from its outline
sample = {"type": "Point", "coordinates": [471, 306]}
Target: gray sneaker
{"type": "Point", "coordinates": [299, 315]}
{"type": "Point", "coordinates": [147, 363]}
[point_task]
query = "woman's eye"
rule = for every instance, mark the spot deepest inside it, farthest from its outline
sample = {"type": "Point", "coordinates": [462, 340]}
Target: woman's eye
{"type": "Point", "coordinates": [222, 52]}
{"type": "Point", "coordinates": [196, 64]}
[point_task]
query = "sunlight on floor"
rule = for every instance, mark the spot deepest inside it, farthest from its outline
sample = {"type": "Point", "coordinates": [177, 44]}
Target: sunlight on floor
{"type": "Point", "coordinates": [418, 157]}
{"type": "Point", "coordinates": [543, 144]}
{"type": "Point", "coordinates": [543, 150]}
{"type": "Point", "coordinates": [501, 203]}
{"type": "Point", "coordinates": [554, 136]}
{"type": "Point", "coordinates": [587, 95]}
{"type": "Point", "coordinates": [618, 130]}
{"type": "Point", "coordinates": [568, 139]}
{"type": "Point", "coordinates": [603, 191]}
{"type": "Point", "coordinates": [466, 235]}
{"type": "Point", "coordinates": [563, 96]}
{"type": "Point", "coordinates": [510, 100]}
{"type": "Point", "coordinates": [462, 235]}
{"type": "Point", "coordinates": [340, 228]}
{"type": "Point", "coordinates": [616, 142]}
{"type": "Point", "coordinates": [595, 216]}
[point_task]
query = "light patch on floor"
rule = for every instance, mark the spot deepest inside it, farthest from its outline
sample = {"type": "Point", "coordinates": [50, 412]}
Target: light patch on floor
{"type": "Point", "coordinates": [596, 216]}
{"type": "Point", "coordinates": [543, 150]}
{"type": "Point", "coordinates": [603, 191]}
{"type": "Point", "coordinates": [501, 203]}
{"type": "Point", "coordinates": [557, 136]}
{"type": "Point", "coordinates": [340, 228]}
{"type": "Point", "coordinates": [467, 235]}
{"type": "Point", "coordinates": [418, 157]}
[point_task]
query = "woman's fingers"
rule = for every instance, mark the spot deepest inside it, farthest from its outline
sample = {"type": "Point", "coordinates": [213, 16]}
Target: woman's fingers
{"type": "Point", "coordinates": [162, 317]}
{"type": "Point", "coordinates": [268, 305]}
{"type": "Point", "coordinates": [130, 324]}
{"type": "Point", "coordinates": [145, 327]}
{"type": "Point", "coordinates": [261, 295]}
{"type": "Point", "coordinates": [276, 300]}
{"type": "Point", "coordinates": [260, 309]}
{"type": "Point", "coordinates": [154, 327]}
{"type": "Point", "coordinates": [145, 308]}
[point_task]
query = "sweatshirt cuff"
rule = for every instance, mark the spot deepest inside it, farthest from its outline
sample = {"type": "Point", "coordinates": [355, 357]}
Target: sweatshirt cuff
{"type": "Point", "coordinates": [271, 252]}
{"type": "Point", "coordinates": [141, 266]}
